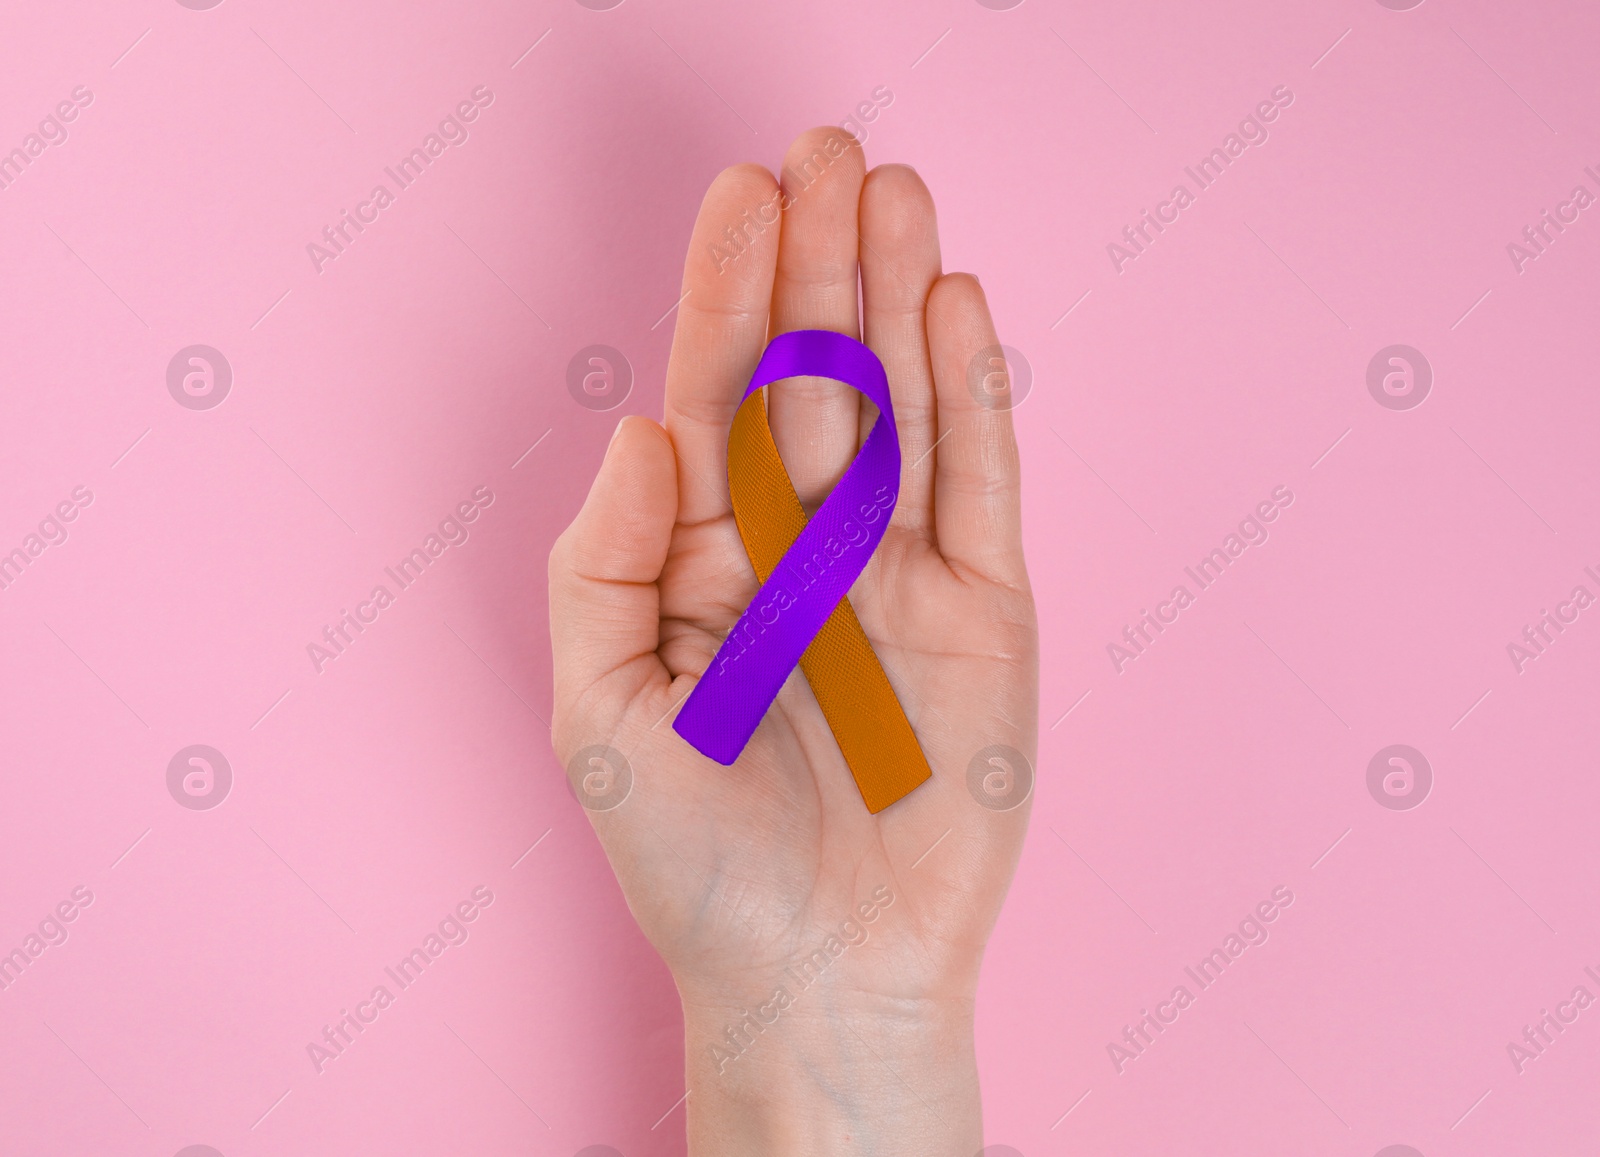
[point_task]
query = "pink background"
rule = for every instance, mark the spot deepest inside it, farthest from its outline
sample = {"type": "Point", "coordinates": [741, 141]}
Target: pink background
{"type": "Point", "coordinates": [372, 397]}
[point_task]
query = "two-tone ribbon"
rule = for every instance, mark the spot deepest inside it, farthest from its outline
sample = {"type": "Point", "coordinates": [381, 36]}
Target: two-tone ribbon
{"type": "Point", "coordinates": [806, 567]}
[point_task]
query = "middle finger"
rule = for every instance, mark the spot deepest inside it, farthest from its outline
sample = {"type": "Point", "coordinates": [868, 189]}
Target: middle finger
{"type": "Point", "coordinates": [816, 421]}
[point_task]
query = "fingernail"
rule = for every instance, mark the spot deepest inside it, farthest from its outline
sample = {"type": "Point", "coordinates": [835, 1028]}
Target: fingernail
{"type": "Point", "coordinates": [615, 432]}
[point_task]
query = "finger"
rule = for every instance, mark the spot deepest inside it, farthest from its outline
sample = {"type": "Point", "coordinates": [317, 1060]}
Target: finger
{"type": "Point", "coordinates": [604, 605]}
{"type": "Point", "coordinates": [978, 476]}
{"type": "Point", "coordinates": [899, 264]}
{"type": "Point", "coordinates": [816, 421]}
{"type": "Point", "coordinates": [721, 330]}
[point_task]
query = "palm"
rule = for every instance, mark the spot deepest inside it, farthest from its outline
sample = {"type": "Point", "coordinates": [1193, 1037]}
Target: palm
{"type": "Point", "coordinates": [735, 872]}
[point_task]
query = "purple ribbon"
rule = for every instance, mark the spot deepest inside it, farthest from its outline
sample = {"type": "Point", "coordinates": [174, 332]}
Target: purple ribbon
{"type": "Point", "coordinates": [820, 566]}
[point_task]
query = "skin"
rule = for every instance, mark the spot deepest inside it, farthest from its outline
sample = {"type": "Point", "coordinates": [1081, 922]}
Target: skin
{"type": "Point", "coordinates": [736, 874]}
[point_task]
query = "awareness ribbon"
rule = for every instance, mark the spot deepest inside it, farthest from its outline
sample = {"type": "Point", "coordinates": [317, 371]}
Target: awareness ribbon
{"type": "Point", "coordinates": [806, 566]}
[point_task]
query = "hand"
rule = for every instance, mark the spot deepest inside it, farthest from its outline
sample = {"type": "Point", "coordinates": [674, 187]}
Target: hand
{"type": "Point", "coordinates": [741, 875]}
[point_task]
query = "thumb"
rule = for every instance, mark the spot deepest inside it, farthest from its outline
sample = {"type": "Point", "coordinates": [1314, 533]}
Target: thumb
{"type": "Point", "coordinates": [605, 609]}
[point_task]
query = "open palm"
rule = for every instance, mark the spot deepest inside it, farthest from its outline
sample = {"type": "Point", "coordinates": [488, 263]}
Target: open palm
{"type": "Point", "coordinates": [737, 873]}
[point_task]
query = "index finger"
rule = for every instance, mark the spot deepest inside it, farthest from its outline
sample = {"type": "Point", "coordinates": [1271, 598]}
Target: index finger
{"type": "Point", "coordinates": [721, 330]}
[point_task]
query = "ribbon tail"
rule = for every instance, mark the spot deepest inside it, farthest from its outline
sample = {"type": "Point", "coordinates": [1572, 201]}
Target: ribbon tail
{"type": "Point", "coordinates": [861, 708]}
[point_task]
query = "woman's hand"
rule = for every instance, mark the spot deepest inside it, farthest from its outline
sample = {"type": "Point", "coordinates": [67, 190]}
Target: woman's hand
{"type": "Point", "coordinates": [827, 958]}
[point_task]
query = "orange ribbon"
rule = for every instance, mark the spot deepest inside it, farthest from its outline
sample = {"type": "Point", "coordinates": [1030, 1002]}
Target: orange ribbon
{"type": "Point", "coordinates": [867, 720]}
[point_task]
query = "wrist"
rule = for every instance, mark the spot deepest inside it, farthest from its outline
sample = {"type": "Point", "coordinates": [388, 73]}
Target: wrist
{"type": "Point", "coordinates": [820, 1072]}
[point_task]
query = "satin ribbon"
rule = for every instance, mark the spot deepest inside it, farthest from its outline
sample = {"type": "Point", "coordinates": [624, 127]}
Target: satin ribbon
{"type": "Point", "coordinates": [806, 566]}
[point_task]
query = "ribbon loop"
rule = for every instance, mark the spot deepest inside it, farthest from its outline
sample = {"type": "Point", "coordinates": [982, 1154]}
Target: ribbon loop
{"type": "Point", "coordinates": [801, 614]}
